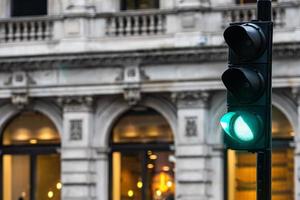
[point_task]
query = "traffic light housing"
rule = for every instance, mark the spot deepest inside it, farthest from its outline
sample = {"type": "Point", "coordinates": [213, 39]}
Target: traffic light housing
{"type": "Point", "coordinates": [247, 123]}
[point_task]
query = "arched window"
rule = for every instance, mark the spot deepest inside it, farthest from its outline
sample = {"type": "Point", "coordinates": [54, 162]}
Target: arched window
{"type": "Point", "coordinates": [28, 7]}
{"type": "Point", "coordinates": [142, 160]}
{"type": "Point", "coordinates": [241, 166]}
{"type": "Point", "coordinates": [30, 163]}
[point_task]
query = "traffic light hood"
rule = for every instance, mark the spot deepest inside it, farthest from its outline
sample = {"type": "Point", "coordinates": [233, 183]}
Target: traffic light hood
{"type": "Point", "coordinates": [247, 40]}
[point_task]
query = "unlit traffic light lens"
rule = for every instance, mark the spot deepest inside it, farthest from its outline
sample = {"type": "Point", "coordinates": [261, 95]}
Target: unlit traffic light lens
{"type": "Point", "coordinates": [246, 40]}
{"type": "Point", "coordinates": [241, 126]}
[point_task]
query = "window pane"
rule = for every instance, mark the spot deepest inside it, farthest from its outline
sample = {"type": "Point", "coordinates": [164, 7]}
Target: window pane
{"type": "Point", "coordinates": [242, 171]}
{"type": "Point", "coordinates": [16, 177]}
{"type": "Point", "coordinates": [22, 131]}
{"type": "Point", "coordinates": [160, 176]}
{"type": "Point", "coordinates": [29, 7]}
{"type": "Point", "coordinates": [142, 126]}
{"type": "Point", "coordinates": [281, 127]}
{"type": "Point", "coordinates": [48, 185]}
{"type": "Point", "coordinates": [139, 4]}
{"type": "Point", "coordinates": [282, 174]}
{"type": "Point", "coordinates": [127, 174]}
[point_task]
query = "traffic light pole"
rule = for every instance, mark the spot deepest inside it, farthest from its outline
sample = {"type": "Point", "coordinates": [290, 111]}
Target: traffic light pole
{"type": "Point", "coordinates": [264, 157]}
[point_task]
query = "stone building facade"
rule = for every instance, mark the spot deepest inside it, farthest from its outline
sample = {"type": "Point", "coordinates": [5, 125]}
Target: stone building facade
{"type": "Point", "coordinates": [85, 64]}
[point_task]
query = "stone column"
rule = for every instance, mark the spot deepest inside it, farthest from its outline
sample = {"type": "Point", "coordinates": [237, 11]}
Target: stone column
{"type": "Point", "coordinates": [77, 166]}
{"type": "Point", "coordinates": [4, 8]}
{"type": "Point", "coordinates": [192, 175]}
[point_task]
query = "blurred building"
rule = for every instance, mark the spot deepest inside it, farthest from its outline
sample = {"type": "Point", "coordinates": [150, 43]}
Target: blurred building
{"type": "Point", "coordinates": [120, 100]}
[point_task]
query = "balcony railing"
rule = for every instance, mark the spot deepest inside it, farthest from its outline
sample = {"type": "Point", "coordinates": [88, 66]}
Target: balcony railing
{"type": "Point", "coordinates": [248, 13]}
{"type": "Point", "coordinates": [136, 24]}
{"type": "Point", "coordinates": [26, 29]}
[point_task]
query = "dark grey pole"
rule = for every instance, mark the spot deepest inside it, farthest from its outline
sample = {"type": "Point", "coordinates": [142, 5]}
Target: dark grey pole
{"type": "Point", "coordinates": [264, 157]}
{"type": "Point", "coordinates": [264, 10]}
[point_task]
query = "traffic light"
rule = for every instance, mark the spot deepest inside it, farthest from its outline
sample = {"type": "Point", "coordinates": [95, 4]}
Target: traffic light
{"type": "Point", "coordinates": [247, 123]}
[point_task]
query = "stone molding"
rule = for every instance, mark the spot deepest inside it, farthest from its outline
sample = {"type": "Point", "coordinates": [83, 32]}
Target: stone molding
{"type": "Point", "coordinates": [191, 99]}
{"type": "Point", "coordinates": [154, 56]}
{"type": "Point", "coordinates": [76, 103]}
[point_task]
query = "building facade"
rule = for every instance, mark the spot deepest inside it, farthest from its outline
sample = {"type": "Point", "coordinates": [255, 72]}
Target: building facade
{"type": "Point", "coordinates": [121, 100]}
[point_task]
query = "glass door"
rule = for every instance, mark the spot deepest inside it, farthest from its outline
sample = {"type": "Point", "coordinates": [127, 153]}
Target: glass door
{"type": "Point", "coordinates": [16, 177]}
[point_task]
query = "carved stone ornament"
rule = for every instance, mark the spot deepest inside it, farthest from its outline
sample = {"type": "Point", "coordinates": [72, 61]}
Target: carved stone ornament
{"type": "Point", "coordinates": [132, 95]}
{"type": "Point", "coordinates": [191, 99]}
{"type": "Point", "coordinates": [76, 103]}
{"type": "Point", "coordinates": [191, 129]}
{"type": "Point", "coordinates": [20, 99]}
{"type": "Point", "coordinates": [76, 129]}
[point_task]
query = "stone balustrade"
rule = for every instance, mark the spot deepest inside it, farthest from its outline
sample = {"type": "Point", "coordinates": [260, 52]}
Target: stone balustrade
{"type": "Point", "coordinates": [248, 13]}
{"type": "Point", "coordinates": [26, 29]}
{"type": "Point", "coordinates": [136, 24]}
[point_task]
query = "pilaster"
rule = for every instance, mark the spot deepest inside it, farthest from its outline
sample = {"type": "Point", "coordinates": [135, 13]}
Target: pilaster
{"type": "Point", "coordinates": [78, 174]}
{"type": "Point", "coordinates": [192, 175]}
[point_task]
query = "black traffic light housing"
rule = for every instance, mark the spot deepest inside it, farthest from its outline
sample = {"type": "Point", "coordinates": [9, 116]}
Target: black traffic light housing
{"type": "Point", "coordinates": [247, 124]}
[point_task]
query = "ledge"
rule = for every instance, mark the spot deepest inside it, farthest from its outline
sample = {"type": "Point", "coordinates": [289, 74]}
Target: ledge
{"type": "Point", "coordinates": [143, 57]}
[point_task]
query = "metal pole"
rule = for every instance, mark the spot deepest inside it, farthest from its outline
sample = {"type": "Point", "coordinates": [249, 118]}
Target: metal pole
{"type": "Point", "coordinates": [264, 176]}
{"type": "Point", "coordinates": [264, 157]}
{"type": "Point", "coordinates": [264, 10]}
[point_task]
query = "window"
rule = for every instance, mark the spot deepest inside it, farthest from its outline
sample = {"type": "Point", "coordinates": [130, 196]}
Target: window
{"type": "Point", "coordinates": [249, 1]}
{"type": "Point", "coordinates": [242, 165]}
{"type": "Point", "coordinates": [142, 162]}
{"type": "Point", "coordinates": [139, 4]}
{"type": "Point", "coordinates": [245, 1]}
{"type": "Point", "coordinates": [30, 164]}
{"type": "Point", "coordinates": [28, 7]}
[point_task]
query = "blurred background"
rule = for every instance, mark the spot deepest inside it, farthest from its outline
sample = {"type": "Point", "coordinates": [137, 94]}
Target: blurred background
{"type": "Point", "coordinates": [121, 100]}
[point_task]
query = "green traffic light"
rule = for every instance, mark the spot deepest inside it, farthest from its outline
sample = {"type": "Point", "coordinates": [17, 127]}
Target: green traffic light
{"type": "Point", "coordinates": [241, 126]}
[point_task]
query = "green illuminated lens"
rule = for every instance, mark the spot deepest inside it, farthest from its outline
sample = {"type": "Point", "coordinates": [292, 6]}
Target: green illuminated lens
{"type": "Point", "coordinates": [241, 126]}
{"type": "Point", "coordinates": [225, 121]}
{"type": "Point", "coordinates": [242, 129]}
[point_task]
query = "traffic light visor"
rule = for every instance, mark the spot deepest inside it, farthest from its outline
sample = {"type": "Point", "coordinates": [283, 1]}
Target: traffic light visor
{"type": "Point", "coordinates": [247, 40]}
{"type": "Point", "coordinates": [241, 126]}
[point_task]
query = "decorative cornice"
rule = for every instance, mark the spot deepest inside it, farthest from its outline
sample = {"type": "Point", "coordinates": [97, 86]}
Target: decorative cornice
{"type": "Point", "coordinates": [152, 56]}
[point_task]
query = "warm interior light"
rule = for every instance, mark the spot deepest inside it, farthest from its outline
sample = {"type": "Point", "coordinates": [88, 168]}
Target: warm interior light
{"type": "Point", "coordinates": [46, 133]}
{"type": "Point", "coordinates": [153, 157]}
{"type": "Point", "coordinates": [21, 134]}
{"type": "Point", "coordinates": [50, 194]}
{"type": "Point", "coordinates": [139, 184]}
{"type": "Point", "coordinates": [33, 141]}
{"type": "Point", "coordinates": [169, 183]}
{"type": "Point", "coordinates": [149, 152]}
{"type": "Point", "coordinates": [165, 168]}
{"type": "Point", "coordinates": [58, 185]}
{"type": "Point", "coordinates": [130, 193]}
{"type": "Point", "coordinates": [150, 166]}
{"type": "Point", "coordinates": [158, 193]}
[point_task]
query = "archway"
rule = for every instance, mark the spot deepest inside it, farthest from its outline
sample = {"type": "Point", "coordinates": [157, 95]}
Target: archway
{"type": "Point", "coordinates": [29, 160]}
{"type": "Point", "coordinates": [142, 159]}
{"type": "Point", "coordinates": [241, 168]}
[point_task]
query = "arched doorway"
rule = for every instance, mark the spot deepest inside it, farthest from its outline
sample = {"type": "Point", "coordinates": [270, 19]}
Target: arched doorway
{"type": "Point", "coordinates": [142, 159]}
{"type": "Point", "coordinates": [30, 162]}
{"type": "Point", "coordinates": [241, 166]}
